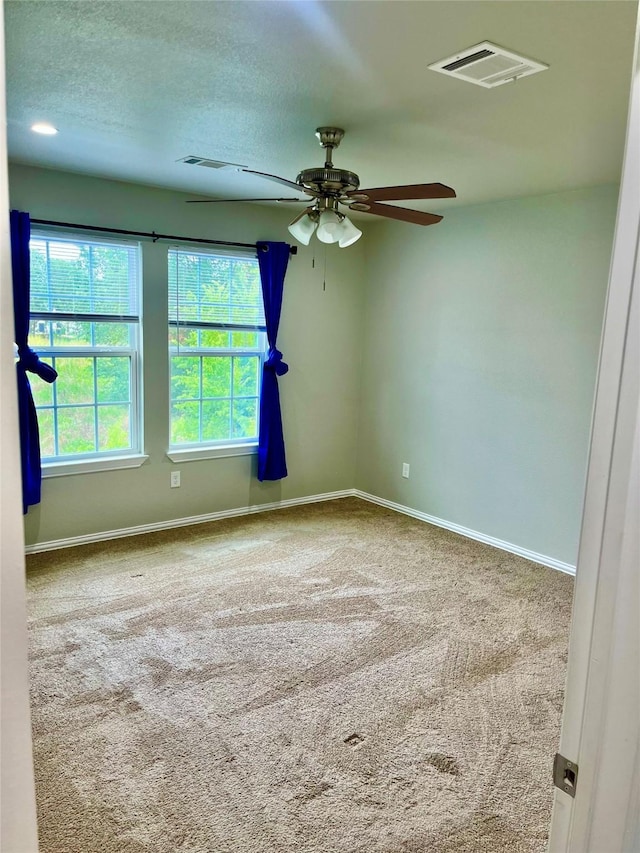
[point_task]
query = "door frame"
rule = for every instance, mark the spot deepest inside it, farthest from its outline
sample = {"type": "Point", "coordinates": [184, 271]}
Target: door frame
{"type": "Point", "coordinates": [18, 829]}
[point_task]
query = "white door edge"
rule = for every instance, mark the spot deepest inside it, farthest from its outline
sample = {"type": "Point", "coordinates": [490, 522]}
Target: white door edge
{"type": "Point", "coordinates": [600, 727]}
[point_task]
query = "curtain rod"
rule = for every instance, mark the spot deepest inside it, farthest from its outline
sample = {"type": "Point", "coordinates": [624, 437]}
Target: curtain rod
{"type": "Point", "coordinates": [293, 250]}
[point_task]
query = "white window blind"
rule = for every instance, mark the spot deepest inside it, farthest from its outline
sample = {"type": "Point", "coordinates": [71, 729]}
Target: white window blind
{"type": "Point", "coordinates": [84, 277]}
{"type": "Point", "coordinates": [216, 290]}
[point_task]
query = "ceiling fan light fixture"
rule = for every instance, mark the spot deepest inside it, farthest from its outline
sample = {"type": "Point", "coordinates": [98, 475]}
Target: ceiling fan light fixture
{"type": "Point", "coordinates": [348, 233]}
{"type": "Point", "coordinates": [302, 227]}
{"type": "Point", "coordinates": [329, 227]}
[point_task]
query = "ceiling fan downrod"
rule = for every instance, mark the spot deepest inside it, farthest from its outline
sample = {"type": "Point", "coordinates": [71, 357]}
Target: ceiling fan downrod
{"type": "Point", "coordinates": [330, 138]}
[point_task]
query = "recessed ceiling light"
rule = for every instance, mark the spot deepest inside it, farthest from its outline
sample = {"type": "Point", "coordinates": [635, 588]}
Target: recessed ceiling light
{"type": "Point", "coordinates": [43, 127]}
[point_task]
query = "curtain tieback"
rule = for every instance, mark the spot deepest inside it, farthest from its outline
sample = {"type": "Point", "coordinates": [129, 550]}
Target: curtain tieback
{"type": "Point", "coordinates": [29, 360]}
{"type": "Point", "coordinates": [274, 362]}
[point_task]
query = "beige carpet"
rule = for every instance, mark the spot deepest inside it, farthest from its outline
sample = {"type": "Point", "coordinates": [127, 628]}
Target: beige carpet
{"type": "Point", "coordinates": [326, 679]}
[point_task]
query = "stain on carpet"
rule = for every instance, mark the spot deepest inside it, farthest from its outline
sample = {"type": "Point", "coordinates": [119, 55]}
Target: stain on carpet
{"type": "Point", "coordinates": [443, 763]}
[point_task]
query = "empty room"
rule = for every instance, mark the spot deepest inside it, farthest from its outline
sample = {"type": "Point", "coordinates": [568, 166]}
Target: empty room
{"type": "Point", "coordinates": [308, 302]}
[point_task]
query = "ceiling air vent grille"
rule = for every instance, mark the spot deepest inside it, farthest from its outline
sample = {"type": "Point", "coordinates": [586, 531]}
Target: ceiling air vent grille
{"type": "Point", "coordinates": [192, 160]}
{"type": "Point", "coordinates": [467, 60]}
{"type": "Point", "coordinates": [487, 65]}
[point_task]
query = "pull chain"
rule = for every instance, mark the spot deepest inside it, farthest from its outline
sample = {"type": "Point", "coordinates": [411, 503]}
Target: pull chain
{"type": "Point", "coordinates": [324, 275]}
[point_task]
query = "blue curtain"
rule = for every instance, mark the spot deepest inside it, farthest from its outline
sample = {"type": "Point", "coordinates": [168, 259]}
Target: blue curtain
{"type": "Point", "coordinates": [272, 464]}
{"type": "Point", "coordinates": [28, 360]}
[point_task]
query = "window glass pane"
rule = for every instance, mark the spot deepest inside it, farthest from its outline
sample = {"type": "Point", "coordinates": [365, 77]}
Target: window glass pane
{"type": "Point", "coordinates": [185, 377]}
{"type": "Point", "coordinates": [45, 428]}
{"type": "Point", "coordinates": [215, 420]}
{"type": "Point", "coordinates": [185, 423]}
{"type": "Point", "coordinates": [215, 339]}
{"type": "Point", "coordinates": [39, 334]}
{"type": "Point", "coordinates": [76, 430]}
{"type": "Point", "coordinates": [42, 391]}
{"type": "Point", "coordinates": [244, 340]}
{"type": "Point", "coordinates": [113, 379]}
{"type": "Point", "coordinates": [112, 334]}
{"type": "Point", "coordinates": [187, 338]}
{"type": "Point", "coordinates": [245, 376]}
{"type": "Point", "coordinates": [75, 380]}
{"type": "Point", "coordinates": [113, 428]}
{"type": "Point", "coordinates": [245, 418]}
{"type": "Point", "coordinates": [68, 333]}
{"type": "Point", "coordinates": [216, 376]}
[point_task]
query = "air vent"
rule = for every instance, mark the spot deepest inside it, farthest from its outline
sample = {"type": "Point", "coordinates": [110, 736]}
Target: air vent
{"type": "Point", "coordinates": [487, 65]}
{"type": "Point", "coordinates": [192, 160]}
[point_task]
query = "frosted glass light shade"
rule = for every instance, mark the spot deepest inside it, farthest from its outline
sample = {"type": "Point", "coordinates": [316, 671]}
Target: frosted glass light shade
{"type": "Point", "coordinates": [328, 228]}
{"type": "Point", "coordinates": [302, 228]}
{"type": "Point", "coordinates": [348, 233]}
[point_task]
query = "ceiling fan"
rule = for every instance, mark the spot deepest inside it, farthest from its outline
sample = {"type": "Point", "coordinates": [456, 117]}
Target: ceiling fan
{"type": "Point", "coordinates": [330, 187]}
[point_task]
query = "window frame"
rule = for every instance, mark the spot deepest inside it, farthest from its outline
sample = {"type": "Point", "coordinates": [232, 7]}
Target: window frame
{"type": "Point", "coordinates": [96, 460]}
{"type": "Point", "coordinates": [226, 447]}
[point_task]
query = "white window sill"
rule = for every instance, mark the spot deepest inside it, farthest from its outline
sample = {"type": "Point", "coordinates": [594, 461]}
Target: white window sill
{"type": "Point", "coordinates": [91, 466]}
{"type": "Point", "coordinates": [192, 454]}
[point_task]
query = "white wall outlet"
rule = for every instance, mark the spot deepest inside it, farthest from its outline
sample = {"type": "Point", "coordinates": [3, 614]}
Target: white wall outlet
{"type": "Point", "coordinates": [405, 470]}
{"type": "Point", "coordinates": [175, 479]}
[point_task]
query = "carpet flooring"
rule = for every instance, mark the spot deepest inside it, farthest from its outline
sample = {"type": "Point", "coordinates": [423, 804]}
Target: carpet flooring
{"type": "Point", "coordinates": [331, 678]}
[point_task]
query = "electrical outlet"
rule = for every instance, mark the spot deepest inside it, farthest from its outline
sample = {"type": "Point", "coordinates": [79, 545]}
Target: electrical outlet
{"type": "Point", "coordinates": [405, 470]}
{"type": "Point", "coordinates": [175, 479]}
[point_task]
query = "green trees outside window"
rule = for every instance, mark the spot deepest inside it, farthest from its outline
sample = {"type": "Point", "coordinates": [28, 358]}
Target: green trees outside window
{"type": "Point", "coordinates": [84, 321]}
{"type": "Point", "coordinates": [216, 346]}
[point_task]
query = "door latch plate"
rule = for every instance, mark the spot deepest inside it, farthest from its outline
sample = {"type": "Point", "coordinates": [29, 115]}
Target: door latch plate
{"type": "Point", "coordinates": [565, 775]}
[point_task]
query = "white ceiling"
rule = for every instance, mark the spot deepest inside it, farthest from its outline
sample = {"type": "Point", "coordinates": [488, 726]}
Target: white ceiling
{"type": "Point", "coordinates": [134, 86]}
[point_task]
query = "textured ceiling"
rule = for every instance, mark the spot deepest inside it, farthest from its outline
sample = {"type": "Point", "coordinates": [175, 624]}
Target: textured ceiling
{"type": "Point", "coordinates": [134, 86]}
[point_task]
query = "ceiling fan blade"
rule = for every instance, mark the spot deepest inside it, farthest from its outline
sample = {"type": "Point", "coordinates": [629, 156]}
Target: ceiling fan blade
{"type": "Point", "coordinates": [411, 191]}
{"type": "Point", "coordinates": [219, 200]}
{"type": "Point", "coordinates": [402, 213]}
{"type": "Point", "coordinates": [282, 181]}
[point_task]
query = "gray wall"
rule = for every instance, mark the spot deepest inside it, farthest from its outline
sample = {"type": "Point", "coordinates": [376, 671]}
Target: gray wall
{"type": "Point", "coordinates": [320, 336]}
{"type": "Point", "coordinates": [468, 349]}
{"type": "Point", "coordinates": [481, 346]}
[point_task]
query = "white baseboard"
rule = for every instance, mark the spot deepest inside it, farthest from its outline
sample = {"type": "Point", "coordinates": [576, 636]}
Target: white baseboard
{"type": "Point", "coordinates": [72, 541]}
{"type": "Point", "coordinates": [551, 562]}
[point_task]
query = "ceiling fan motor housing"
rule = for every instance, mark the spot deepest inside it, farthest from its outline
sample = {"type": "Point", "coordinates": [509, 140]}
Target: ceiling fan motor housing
{"type": "Point", "coordinates": [328, 181]}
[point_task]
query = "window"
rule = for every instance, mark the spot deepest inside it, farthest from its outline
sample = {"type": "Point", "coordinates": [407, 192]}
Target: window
{"type": "Point", "coordinates": [216, 344]}
{"type": "Point", "coordinates": [85, 322]}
